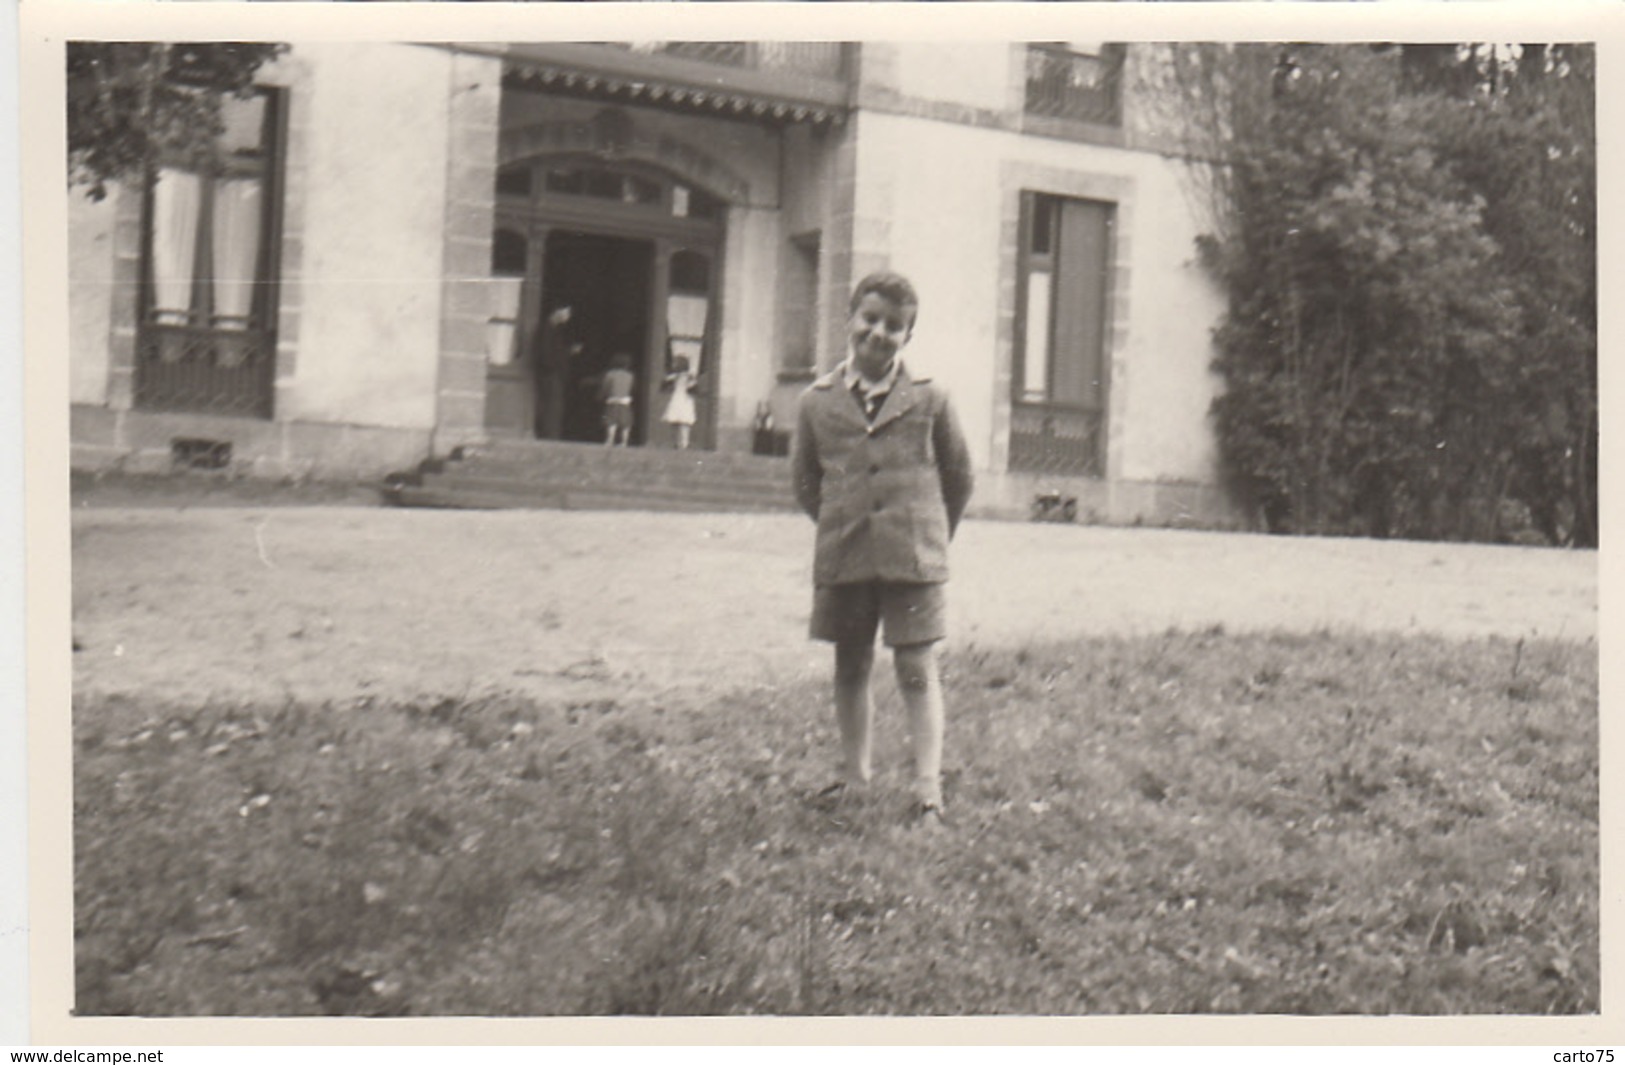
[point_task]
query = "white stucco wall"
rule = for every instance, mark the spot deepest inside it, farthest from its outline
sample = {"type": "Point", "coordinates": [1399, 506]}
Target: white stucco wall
{"type": "Point", "coordinates": [1165, 432]}
{"type": "Point", "coordinates": [945, 238]}
{"type": "Point", "coordinates": [749, 294]}
{"type": "Point", "coordinates": [90, 302]}
{"type": "Point", "coordinates": [974, 75]}
{"type": "Point", "coordinates": [946, 235]}
{"type": "Point", "coordinates": [374, 217]}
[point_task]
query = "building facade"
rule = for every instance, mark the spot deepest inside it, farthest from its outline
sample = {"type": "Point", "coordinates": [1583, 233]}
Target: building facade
{"type": "Point", "coordinates": [375, 273]}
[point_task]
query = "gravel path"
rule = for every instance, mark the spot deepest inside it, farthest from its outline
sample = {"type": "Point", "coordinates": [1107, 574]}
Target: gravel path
{"type": "Point", "coordinates": [343, 602]}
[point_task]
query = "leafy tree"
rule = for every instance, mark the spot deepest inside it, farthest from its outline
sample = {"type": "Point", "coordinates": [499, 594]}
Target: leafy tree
{"type": "Point", "coordinates": [1528, 148]}
{"type": "Point", "coordinates": [1407, 351]}
{"type": "Point", "coordinates": [131, 104]}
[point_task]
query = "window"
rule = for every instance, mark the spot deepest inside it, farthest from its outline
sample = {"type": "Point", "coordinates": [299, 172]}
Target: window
{"type": "Point", "coordinates": [799, 299]}
{"type": "Point", "coordinates": [1060, 373]}
{"type": "Point", "coordinates": [206, 340]}
{"type": "Point", "coordinates": [688, 304]}
{"type": "Point", "coordinates": [510, 258]}
{"type": "Point", "coordinates": [602, 184]}
{"type": "Point", "coordinates": [1079, 81]}
{"type": "Point", "coordinates": [689, 202]}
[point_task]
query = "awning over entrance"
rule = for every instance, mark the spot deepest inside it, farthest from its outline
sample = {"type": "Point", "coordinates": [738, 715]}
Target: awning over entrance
{"type": "Point", "coordinates": [762, 82]}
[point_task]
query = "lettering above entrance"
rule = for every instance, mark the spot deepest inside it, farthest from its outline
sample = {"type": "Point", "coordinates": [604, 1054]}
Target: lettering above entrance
{"type": "Point", "coordinates": [612, 135]}
{"type": "Point", "coordinates": [631, 194]}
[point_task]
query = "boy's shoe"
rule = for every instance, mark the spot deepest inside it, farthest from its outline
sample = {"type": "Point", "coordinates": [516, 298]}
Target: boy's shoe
{"type": "Point", "coordinates": [927, 798]}
{"type": "Point", "coordinates": [926, 813]}
{"type": "Point", "coordinates": [833, 795]}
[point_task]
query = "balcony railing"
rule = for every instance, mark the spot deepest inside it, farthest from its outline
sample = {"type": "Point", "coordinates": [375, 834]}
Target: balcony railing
{"type": "Point", "coordinates": [1058, 440]}
{"type": "Point", "coordinates": [204, 371]}
{"type": "Point", "coordinates": [1076, 86]}
{"type": "Point", "coordinates": [776, 81]}
{"type": "Point", "coordinates": [820, 59]}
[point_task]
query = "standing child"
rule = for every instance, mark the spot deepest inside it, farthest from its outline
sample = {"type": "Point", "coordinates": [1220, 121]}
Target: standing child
{"type": "Point", "coordinates": [616, 392]}
{"type": "Point", "coordinates": [881, 465]}
{"type": "Point", "coordinates": [680, 406]}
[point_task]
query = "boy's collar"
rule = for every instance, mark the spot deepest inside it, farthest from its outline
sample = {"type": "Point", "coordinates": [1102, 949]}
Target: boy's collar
{"type": "Point", "coordinates": [851, 377]}
{"type": "Point", "coordinates": [836, 375]}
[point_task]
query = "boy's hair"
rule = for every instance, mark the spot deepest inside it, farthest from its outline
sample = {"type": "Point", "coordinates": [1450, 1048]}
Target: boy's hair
{"type": "Point", "coordinates": [892, 286]}
{"type": "Point", "coordinates": [621, 361]}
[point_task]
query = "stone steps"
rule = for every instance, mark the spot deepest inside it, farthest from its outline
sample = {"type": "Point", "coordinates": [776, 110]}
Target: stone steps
{"type": "Point", "coordinates": [693, 474]}
{"type": "Point", "coordinates": [556, 476]}
{"type": "Point", "coordinates": [456, 497]}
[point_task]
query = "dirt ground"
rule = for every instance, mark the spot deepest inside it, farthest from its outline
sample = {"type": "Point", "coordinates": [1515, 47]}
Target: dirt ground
{"type": "Point", "coordinates": [342, 602]}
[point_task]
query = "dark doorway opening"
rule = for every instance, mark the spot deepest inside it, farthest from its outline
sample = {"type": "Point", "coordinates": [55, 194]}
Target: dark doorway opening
{"type": "Point", "coordinates": [605, 283]}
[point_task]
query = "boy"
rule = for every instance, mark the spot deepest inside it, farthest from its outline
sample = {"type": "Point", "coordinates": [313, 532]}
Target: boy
{"type": "Point", "coordinates": [616, 392]}
{"type": "Point", "coordinates": [880, 464]}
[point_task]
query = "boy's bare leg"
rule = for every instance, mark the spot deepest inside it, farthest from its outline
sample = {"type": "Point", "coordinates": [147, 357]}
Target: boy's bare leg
{"type": "Point", "coordinates": [854, 710]}
{"type": "Point", "coordinates": [920, 682]}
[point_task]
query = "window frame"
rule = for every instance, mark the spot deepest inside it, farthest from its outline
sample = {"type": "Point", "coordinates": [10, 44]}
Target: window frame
{"type": "Point", "coordinates": [674, 199]}
{"type": "Point", "coordinates": [803, 264]}
{"type": "Point", "coordinates": [1083, 421]}
{"type": "Point", "coordinates": [227, 393]}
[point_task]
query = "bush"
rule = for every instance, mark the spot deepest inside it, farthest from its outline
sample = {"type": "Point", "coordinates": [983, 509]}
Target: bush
{"type": "Point", "coordinates": [1410, 339]}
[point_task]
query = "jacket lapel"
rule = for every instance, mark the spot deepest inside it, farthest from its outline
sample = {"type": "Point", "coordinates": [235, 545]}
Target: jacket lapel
{"type": "Point", "coordinates": [840, 401]}
{"type": "Point", "coordinates": [901, 397]}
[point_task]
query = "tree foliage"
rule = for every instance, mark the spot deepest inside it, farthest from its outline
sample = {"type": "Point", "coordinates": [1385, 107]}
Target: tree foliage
{"type": "Point", "coordinates": [1406, 237]}
{"type": "Point", "coordinates": [131, 104]}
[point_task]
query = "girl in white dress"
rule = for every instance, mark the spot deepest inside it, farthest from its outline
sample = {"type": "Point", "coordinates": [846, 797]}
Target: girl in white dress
{"type": "Point", "coordinates": [679, 412]}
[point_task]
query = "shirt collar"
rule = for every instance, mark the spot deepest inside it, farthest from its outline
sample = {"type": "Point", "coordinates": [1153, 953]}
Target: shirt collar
{"type": "Point", "coordinates": [851, 378]}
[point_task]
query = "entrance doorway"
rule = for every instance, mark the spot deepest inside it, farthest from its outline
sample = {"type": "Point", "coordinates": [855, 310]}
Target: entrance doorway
{"type": "Point", "coordinates": [604, 281]}
{"type": "Point", "coordinates": [635, 254]}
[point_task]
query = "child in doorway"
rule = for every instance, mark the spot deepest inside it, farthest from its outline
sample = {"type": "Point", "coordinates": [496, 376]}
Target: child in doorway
{"type": "Point", "coordinates": [616, 393]}
{"type": "Point", "coordinates": [880, 463]}
{"type": "Point", "coordinates": [680, 406]}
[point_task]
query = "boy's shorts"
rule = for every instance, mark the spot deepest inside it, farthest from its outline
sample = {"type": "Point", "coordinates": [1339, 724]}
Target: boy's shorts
{"type": "Point", "coordinates": [617, 416]}
{"type": "Point", "coordinates": [851, 613]}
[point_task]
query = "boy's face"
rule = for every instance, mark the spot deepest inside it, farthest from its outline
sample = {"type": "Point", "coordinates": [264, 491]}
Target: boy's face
{"type": "Point", "coordinates": [877, 331]}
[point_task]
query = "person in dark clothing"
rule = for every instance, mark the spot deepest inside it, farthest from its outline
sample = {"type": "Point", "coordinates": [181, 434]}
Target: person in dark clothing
{"type": "Point", "coordinates": [555, 347]}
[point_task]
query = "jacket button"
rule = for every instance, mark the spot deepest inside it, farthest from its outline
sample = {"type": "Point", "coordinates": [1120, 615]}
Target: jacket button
{"type": "Point", "coordinates": [877, 504]}
{"type": "Point", "coordinates": [874, 469]}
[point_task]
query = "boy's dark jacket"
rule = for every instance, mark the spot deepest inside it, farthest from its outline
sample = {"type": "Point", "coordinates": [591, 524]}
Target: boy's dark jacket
{"type": "Point", "coordinates": [888, 496]}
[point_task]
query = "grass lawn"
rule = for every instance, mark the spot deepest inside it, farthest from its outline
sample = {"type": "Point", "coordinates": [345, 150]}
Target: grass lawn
{"type": "Point", "coordinates": [1197, 822]}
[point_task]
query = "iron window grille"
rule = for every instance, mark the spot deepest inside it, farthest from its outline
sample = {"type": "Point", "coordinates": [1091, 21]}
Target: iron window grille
{"type": "Point", "coordinates": [1076, 82]}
